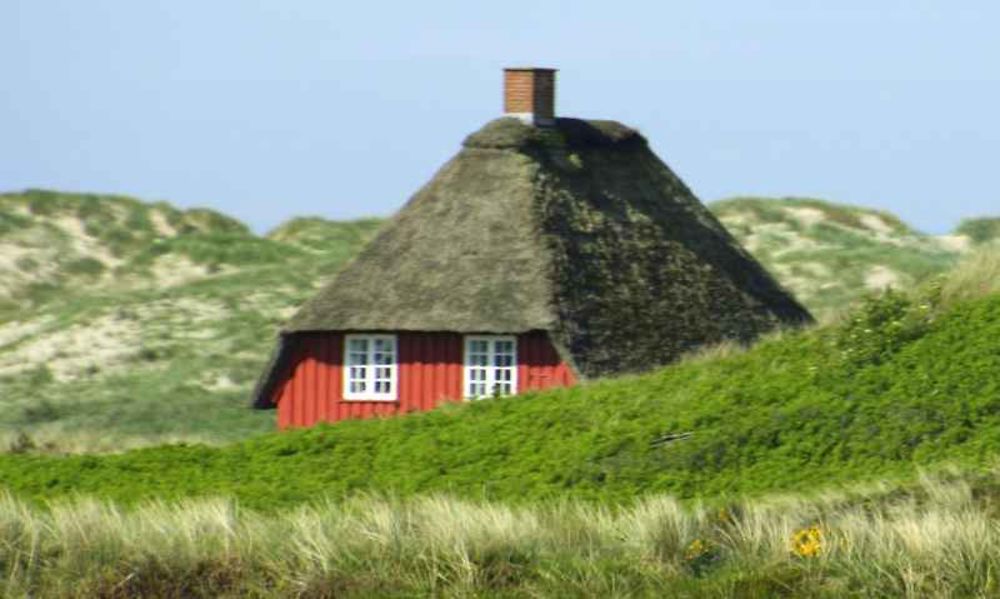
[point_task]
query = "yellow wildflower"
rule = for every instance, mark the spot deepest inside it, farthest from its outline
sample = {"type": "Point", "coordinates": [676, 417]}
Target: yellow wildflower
{"type": "Point", "coordinates": [696, 550]}
{"type": "Point", "coordinates": [807, 542]}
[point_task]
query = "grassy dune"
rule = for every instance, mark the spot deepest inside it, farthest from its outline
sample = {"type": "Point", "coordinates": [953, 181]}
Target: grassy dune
{"type": "Point", "coordinates": [830, 255]}
{"type": "Point", "coordinates": [161, 340]}
{"type": "Point", "coordinates": [938, 538]}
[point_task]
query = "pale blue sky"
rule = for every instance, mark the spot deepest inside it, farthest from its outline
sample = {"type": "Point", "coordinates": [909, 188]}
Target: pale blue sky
{"type": "Point", "coordinates": [270, 109]}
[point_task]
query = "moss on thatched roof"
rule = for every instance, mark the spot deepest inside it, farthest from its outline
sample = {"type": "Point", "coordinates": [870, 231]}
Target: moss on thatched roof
{"type": "Point", "coordinates": [509, 133]}
{"type": "Point", "coordinates": [577, 229]}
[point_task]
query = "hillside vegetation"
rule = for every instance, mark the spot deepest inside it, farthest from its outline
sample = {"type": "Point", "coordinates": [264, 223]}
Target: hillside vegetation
{"type": "Point", "coordinates": [980, 230]}
{"type": "Point", "coordinates": [829, 255]}
{"type": "Point", "coordinates": [125, 323]}
{"type": "Point", "coordinates": [905, 380]}
{"type": "Point", "coordinates": [935, 539]}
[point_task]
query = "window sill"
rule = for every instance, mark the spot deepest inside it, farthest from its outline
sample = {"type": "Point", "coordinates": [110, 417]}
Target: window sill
{"type": "Point", "coordinates": [365, 398]}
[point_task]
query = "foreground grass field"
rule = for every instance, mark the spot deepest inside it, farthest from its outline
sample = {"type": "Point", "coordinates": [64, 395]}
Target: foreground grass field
{"type": "Point", "coordinates": [939, 538]}
{"type": "Point", "coordinates": [906, 381]}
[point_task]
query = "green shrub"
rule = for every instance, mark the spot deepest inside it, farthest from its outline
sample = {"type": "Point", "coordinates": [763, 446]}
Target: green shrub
{"type": "Point", "coordinates": [85, 266]}
{"type": "Point", "coordinates": [10, 222]}
{"type": "Point", "coordinates": [94, 210]}
{"type": "Point", "coordinates": [138, 220]}
{"type": "Point", "coordinates": [42, 411]}
{"type": "Point", "coordinates": [41, 202]}
{"type": "Point", "coordinates": [41, 375]}
{"type": "Point", "coordinates": [27, 264]}
{"type": "Point", "coordinates": [881, 326]}
{"type": "Point", "coordinates": [980, 230]}
{"type": "Point", "coordinates": [22, 443]}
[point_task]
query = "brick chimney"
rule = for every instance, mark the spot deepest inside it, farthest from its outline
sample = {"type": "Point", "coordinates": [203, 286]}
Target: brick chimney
{"type": "Point", "coordinates": [530, 95]}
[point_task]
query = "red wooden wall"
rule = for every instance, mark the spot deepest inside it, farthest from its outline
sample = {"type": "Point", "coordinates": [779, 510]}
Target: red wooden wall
{"type": "Point", "coordinates": [430, 372]}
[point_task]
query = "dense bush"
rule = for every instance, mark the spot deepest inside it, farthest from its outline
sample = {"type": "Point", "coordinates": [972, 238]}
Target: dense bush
{"type": "Point", "coordinates": [882, 325]}
{"type": "Point", "coordinates": [980, 230]}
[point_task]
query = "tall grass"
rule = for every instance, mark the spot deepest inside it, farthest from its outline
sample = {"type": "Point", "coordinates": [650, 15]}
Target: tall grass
{"type": "Point", "coordinates": [976, 276]}
{"type": "Point", "coordinates": [936, 539]}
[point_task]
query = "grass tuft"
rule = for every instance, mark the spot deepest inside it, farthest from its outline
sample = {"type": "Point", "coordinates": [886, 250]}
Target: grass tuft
{"type": "Point", "coordinates": [933, 538]}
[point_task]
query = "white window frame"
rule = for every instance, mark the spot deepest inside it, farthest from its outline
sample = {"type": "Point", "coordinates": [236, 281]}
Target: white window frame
{"type": "Point", "coordinates": [491, 369]}
{"type": "Point", "coordinates": [370, 378]}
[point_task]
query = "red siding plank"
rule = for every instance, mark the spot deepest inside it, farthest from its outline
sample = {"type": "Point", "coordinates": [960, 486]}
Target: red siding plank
{"type": "Point", "coordinates": [309, 365]}
{"type": "Point", "coordinates": [322, 378]}
{"type": "Point", "coordinates": [432, 347]}
{"type": "Point", "coordinates": [440, 372]}
{"type": "Point", "coordinates": [296, 388]}
{"type": "Point", "coordinates": [416, 367]}
{"type": "Point", "coordinates": [455, 356]}
{"type": "Point", "coordinates": [283, 402]}
{"type": "Point", "coordinates": [425, 362]}
{"type": "Point", "coordinates": [405, 381]}
{"type": "Point", "coordinates": [302, 390]}
{"type": "Point", "coordinates": [337, 392]}
{"type": "Point", "coordinates": [287, 393]}
{"type": "Point", "coordinates": [525, 359]}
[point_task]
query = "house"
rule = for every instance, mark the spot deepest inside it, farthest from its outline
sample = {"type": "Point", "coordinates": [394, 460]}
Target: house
{"type": "Point", "coordinates": [548, 251]}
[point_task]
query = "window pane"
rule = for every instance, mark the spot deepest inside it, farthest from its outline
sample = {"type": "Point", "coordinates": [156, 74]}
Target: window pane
{"type": "Point", "coordinates": [370, 366]}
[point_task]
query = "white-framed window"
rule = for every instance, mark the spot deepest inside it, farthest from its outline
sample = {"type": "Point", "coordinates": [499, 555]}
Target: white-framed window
{"type": "Point", "coordinates": [490, 366]}
{"type": "Point", "coordinates": [370, 367]}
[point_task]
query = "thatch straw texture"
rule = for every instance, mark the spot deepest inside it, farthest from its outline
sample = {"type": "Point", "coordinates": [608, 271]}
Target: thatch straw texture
{"type": "Point", "coordinates": [577, 229]}
{"type": "Point", "coordinates": [465, 254]}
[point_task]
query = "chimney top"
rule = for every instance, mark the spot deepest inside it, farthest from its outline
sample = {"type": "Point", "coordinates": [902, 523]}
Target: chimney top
{"type": "Point", "coordinates": [530, 94]}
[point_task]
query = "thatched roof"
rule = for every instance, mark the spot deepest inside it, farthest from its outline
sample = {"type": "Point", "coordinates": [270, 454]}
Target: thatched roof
{"type": "Point", "coordinates": [579, 230]}
{"type": "Point", "coordinates": [463, 255]}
